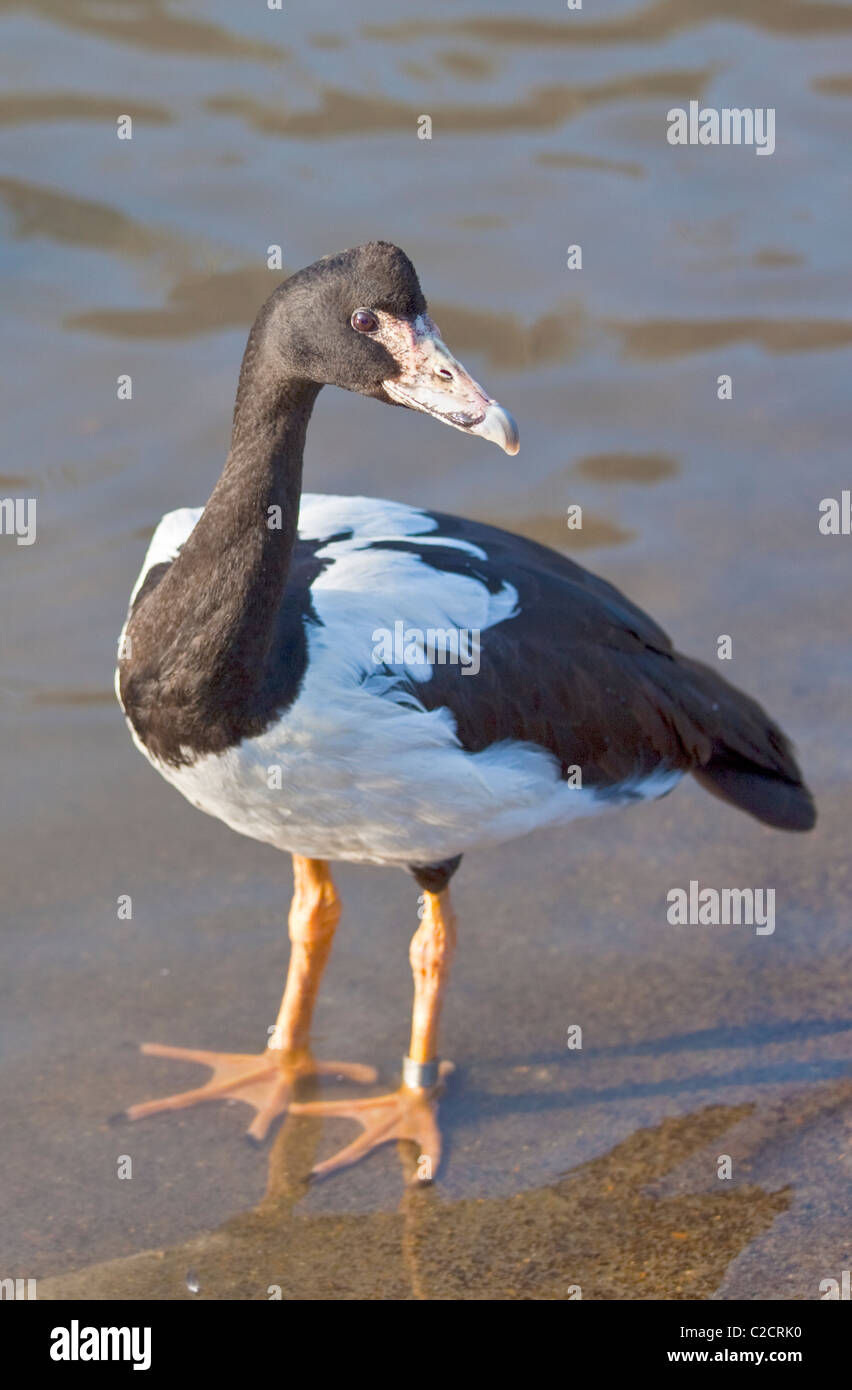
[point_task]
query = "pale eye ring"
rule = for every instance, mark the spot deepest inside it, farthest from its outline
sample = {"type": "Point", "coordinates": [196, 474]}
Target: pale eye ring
{"type": "Point", "coordinates": [364, 321]}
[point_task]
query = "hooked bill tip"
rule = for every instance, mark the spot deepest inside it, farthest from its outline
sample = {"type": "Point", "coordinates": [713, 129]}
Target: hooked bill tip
{"type": "Point", "coordinates": [500, 427]}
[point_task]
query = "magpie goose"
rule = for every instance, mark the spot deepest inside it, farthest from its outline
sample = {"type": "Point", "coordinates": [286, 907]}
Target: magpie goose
{"type": "Point", "coordinates": [354, 679]}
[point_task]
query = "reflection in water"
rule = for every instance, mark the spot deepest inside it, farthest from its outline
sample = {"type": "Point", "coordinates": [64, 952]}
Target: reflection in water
{"type": "Point", "coordinates": [43, 212]}
{"type": "Point", "coordinates": [551, 528]}
{"type": "Point", "coordinates": [465, 63]}
{"type": "Point", "coordinates": [73, 698]}
{"type": "Point", "coordinates": [626, 468]}
{"type": "Point", "coordinates": [481, 222]}
{"type": "Point", "coordinates": [151, 24]}
{"type": "Point", "coordinates": [200, 302]}
{"type": "Point", "coordinates": [776, 260]}
{"type": "Point", "coordinates": [348, 113]}
{"type": "Point", "coordinates": [600, 1228]}
{"type": "Point", "coordinates": [661, 338]}
{"type": "Point", "coordinates": [507, 344]}
{"type": "Point", "coordinates": [550, 159]}
{"type": "Point", "coordinates": [641, 25]}
{"type": "Point", "coordinates": [833, 86]}
{"type": "Point", "coordinates": [23, 108]}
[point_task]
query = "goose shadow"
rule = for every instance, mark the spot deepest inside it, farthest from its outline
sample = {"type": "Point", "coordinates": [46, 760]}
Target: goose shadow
{"type": "Point", "coordinates": [796, 1071]}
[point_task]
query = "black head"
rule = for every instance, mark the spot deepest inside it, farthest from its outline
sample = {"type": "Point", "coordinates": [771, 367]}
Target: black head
{"type": "Point", "coordinates": [358, 320]}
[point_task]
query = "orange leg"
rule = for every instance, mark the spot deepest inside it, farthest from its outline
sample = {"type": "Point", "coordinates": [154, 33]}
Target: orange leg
{"type": "Point", "coordinates": [265, 1081]}
{"type": "Point", "coordinates": [410, 1112]}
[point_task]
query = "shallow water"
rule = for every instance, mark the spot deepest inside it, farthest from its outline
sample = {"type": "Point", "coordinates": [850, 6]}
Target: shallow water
{"type": "Point", "coordinates": [252, 127]}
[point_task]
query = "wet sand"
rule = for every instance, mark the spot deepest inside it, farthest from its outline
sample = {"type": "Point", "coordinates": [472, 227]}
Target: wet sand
{"type": "Point", "coordinates": [597, 1167]}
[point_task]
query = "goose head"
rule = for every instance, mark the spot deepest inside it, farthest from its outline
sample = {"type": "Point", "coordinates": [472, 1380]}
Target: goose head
{"type": "Point", "coordinates": [359, 320]}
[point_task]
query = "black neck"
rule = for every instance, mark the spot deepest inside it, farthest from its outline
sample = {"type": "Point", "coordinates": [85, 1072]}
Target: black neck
{"type": "Point", "coordinates": [243, 543]}
{"type": "Point", "coordinates": [209, 623]}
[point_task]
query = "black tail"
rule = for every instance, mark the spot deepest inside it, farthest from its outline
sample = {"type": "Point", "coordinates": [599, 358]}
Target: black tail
{"type": "Point", "coordinates": [743, 757]}
{"type": "Point", "coordinates": [777, 801]}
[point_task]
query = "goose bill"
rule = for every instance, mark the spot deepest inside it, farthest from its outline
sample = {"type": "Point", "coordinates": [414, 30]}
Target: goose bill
{"type": "Point", "coordinates": [432, 380]}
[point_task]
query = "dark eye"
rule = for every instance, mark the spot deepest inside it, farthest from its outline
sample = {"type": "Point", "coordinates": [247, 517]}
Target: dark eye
{"type": "Point", "coordinates": [363, 321]}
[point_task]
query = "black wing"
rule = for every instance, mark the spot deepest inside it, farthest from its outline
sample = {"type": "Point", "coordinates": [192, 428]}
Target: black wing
{"type": "Point", "coordinates": [582, 672]}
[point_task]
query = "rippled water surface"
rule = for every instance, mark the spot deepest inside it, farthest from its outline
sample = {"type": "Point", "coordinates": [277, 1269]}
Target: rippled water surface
{"type": "Point", "coordinates": [148, 257]}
